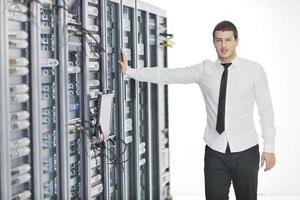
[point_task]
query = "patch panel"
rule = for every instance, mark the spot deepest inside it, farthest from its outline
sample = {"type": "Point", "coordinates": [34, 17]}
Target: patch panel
{"type": "Point", "coordinates": [47, 17]}
{"type": "Point", "coordinates": [48, 189]}
{"type": "Point", "coordinates": [74, 88]}
{"type": "Point", "coordinates": [74, 58]}
{"type": "Point", "coordinates": [73, 151]}
{"type": "Point", "coordinates": [47, 141]}
{"type": "Point", "coordinates": [47, 42]}
{"type": "Point", "coordinates": [47, 164]}
{"type": "Point", "coordinates": [74, 169]}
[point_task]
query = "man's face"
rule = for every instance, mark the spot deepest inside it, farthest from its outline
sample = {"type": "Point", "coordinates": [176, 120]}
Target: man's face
{"type": "Point", "coordinates": [225, 45]}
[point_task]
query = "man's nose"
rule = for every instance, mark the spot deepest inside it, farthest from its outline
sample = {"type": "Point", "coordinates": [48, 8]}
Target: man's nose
{"type": "Point", "coordinates": [223, 44]}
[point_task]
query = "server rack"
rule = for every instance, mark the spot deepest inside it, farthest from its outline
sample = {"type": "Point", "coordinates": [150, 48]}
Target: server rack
{"type": "Point", "coordinates": [92, 18]}
{"type": "Point", "coordinates": [163, 122]}
{"type": "Point", "coordinates": [113, 43]}
{"type": "Point", "coordinates": [158, 106]}
{"type": "Point", "coordinates": [130, 131]}
{"type": "Point", "coordinates": [19, 121]}
{"type": "Point", "coordinates": [4, 109]}
{"type": "Point", "coordinates": [142, 120]}
{"type": "Point", "coordinates": [45, 83]}
{"type": "Point", "coordinates": [58, 57]}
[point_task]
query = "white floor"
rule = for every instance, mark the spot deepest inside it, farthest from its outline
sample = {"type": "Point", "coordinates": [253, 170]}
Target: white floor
{"type": "Point", "coordinates": [181, 197]}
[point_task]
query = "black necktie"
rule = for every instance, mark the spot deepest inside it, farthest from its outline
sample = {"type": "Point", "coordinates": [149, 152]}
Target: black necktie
{"type": "Point", "coordinates": [222, 99]}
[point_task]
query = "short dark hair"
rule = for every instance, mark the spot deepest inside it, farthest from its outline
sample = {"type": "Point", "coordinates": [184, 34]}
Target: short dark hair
{"type": "Point", "coordinates": [226, 26]}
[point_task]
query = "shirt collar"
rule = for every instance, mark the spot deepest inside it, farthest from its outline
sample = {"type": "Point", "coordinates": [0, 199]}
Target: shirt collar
{"type": "Point", "coordinates": [234, 64]}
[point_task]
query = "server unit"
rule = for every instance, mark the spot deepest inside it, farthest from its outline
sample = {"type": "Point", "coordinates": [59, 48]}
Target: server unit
{"type": "Point", "coordinates": [72, 126]}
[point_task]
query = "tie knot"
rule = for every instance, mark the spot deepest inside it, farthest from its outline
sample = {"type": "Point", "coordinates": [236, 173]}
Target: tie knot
{"type": "Point", "coordinates": [226, 65]}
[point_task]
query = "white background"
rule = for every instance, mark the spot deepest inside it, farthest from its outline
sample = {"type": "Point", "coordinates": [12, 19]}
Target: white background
{"type": "Point", "coordinates": [269, 32]}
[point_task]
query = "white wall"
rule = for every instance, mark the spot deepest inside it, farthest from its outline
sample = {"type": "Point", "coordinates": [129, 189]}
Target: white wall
{"type": "Point", "coordinates": [269, 33]}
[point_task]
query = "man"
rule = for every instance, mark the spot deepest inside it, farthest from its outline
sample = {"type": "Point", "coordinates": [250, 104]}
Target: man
{"type": "Point", "coordinates": [230, 86]}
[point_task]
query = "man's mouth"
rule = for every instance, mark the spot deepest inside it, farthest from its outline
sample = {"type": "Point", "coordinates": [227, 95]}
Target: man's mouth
{"type": "Point", "coordinates": [224, 51]}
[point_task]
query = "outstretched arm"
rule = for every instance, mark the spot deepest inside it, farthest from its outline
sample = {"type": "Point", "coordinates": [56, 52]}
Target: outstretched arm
{"type": "Point", "coordinates": [161, 75]}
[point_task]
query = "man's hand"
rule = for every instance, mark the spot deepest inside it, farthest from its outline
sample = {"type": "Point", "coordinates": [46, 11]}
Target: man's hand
{"type": "Point", "coordinates": [268, 159]}
{"type": "Point", "coordinates": [123, 61]}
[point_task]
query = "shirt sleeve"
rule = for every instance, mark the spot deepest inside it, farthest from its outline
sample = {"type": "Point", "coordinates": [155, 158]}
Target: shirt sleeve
{"type": "Point", "coordinates": [265, 110]}
{"type": "Point", "coordinates": [161, 75]}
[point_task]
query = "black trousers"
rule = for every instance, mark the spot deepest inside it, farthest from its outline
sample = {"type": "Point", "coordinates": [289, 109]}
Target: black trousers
{"type": "Point", "coordinates": [240, 168]}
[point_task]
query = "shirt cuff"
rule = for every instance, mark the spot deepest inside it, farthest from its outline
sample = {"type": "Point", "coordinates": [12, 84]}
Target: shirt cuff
{"type": "Point", "coordinates": [129, 72]}
{"type": "Point", "coordinates": [269, 148]}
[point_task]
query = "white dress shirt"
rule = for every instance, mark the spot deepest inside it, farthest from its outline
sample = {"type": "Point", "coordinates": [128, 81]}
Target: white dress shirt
{"type": "Point", "coordinates": [246, 84]}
